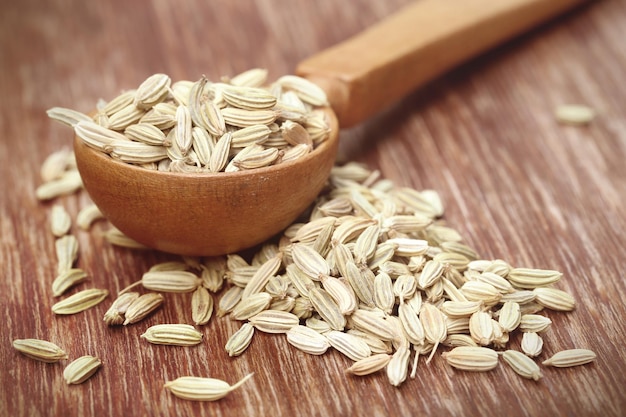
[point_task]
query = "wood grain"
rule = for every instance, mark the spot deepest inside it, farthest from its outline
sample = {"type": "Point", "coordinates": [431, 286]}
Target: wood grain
{"type": "Point", "coordinates": [517, 184]}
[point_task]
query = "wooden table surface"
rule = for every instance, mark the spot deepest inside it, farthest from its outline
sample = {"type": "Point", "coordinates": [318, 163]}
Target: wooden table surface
{"type": "Point", "coordinates": [517, 184]}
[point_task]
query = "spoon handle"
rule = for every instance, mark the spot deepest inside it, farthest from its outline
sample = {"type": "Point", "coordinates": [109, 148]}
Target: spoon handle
{"type": "Point", "coordinates": [377, 67]}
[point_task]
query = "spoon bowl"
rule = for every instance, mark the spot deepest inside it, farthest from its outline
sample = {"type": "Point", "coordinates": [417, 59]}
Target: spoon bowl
{"type": "Point", "coordinates": [205, 214]}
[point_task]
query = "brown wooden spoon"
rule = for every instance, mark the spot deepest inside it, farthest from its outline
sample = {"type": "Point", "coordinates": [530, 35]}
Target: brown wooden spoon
{"type": "Point", "coordinates": [211, 214]}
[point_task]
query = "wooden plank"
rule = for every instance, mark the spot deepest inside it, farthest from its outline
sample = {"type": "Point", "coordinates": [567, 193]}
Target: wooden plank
{"type": "Point", "coordinates": [518, 185]}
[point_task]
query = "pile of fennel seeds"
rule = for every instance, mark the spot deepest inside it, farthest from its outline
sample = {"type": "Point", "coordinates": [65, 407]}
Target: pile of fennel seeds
{"type": "Point", "coordinates": [373, 273]}
{"type": "Point", "coordinates": [238, 123]}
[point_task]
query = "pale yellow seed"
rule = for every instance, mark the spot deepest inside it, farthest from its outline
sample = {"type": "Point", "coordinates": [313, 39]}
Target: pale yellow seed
{"type": "Point", "coordinates": [249, 98]}
{"type": "Point", "coordinates": [398, 366]}
{"type": "Point", "coordinates": [522, 364]}
{"type": "Point", "coordinates": [362, 282]}
{"type": "Point", "coordinates": [349, 345]}
{"type": "Point", "coordinates": [261, 277]}
{"type": "Point", "coordinates": [240, 340]}
{"type": "Point", "coordinates": [416, 202]}
{"type": "Point", "coordinates": [554, 299]}
{"type": "Point", "coordinates": [201, 306]}
{"type": "Point", "coordinates": [461, 249]}
{"type": "Point", "coordinates": [376, 345]}
{"type": "Point", "coordinates": [244, 118]}
{"type": "Point", "coordinates": [212, 279]}
{"type": "Point", "coordinates": [183, 136]}
{"type": "Point", "coordinates": [202, 144]}
{"type": "Point", "coordinates": [534, 323]}
{"type": "Point", "coordinates": [369, 365]}
{"type": "Point", "coordinates": [323, 244]}
{"type": "Point", "coordinates": [229, 300]}
{"type": "Point", "coordinates": [152, 91]}
{"type": "Point", "coordinates": [301, 282]}
{"type": "Point", "coordinates": [384, 253]}
{"type": "Point", "coordinates": [411, 324]}
{"type": "Point", "coordinates": [81, 369]}
{"type": "Point", "coordinates": [307, 340]}
{"type": "Point", "coordinates": [56, 164]}
{"type": "Point", "coordinates": [60, 221]}
{"type": "Point", "coordinates": [317, 324]}
{"type": "Point", "coordinates": [453, 260]}
{"type": "Point", "coordinates": [455, 309]}
{"type": "Point", "coordinates": [251, 135]}
{"type": "Point", "coordinates": [431, 272]}
{"type": "Point", "coordinates": [119, 102]}
{"type": "Point", "coordinates": [211, 119]}
{"type": "Point", "coordinates": [80, 301]}
{"type": "Point", "coordinates": [219, 156]}
{"type": "Point", "coordinates": [574, 114]}
{"type": "Point", "coordinates": [274, 321]}
{"type": "Point", "coordinates": [500, 283]}
{"type": "Point", "coordinates": [309, 261]}
{"type": "Point", "coordinates": [327, 308]}
{"type": "Point", "coordinates": [481, 328]}
{"type": "Point", "coordinates": [40, 350]}
{"type": "Point", "coordinates": [67, 184]}
{"type": "Point", "coordinates": [404, 287]}
{"type": "Point", "coordinates": [172, 334]}
{"type": "Point", "coordinates": [171, 281]}
{"type": "Point", "coordinates": [434, 324]}
{"type": "Point", "coordinates": [407, 223]}
{"type": "Point", "coordinates": [116, 237]}
{"type": "Point", "coordinates": [456, 340]}
{"type": "Point", "coordinates": [255, 77]}
{"type": "Point", "coordinates": [336, 207]}
{"type": "Point", "coordinates": [115, 314]}
{"type": "Point", "coordinates": [241, 276]}
{"type": "Point", "coordinates": [341, 292]}
{"type": "Point", "coordinates": [527, 278]}
{"type": "Point", "coordinates": [96, 136]}
{"type": "Point", "coordinates": [481, 291]}
{"type": "Point", "coordinates": [309, 232]}
{"type": "Point", "coordinates": [374, 324]}
{"type": "Point", "coordinates": [519, 296]}
{"type": "Point", "coordinates": [295, 134]}
{"type": "Point", "coordinates": [350, 228]}
{"type": "Point", "coordinates": [67, 279]}
{"type": "Point", "coordinates": [141, 307]}
{"type": "Point", "coordinates": [125, 117]}
{"type": "Point", "coordinates": [202, 389]}
{"type": "Point", "coordinates": [302, 308]}
{"type": "Point", "coordinates": [341, 256]}
{"type": "Point", "coordinates": [145, 133]}
{"type": "Point", "coordinates": [470, 358]}
{"type": "Point", "coordinates": [457, 325]}
{"type": "Point", "coordinates": [251, 306]}
{"type": "Point", "coordinates": [135, 152]}
{"type": "Point", "coordinates": [510, 316]}
{"type": "Point", "coordinates": [532, 344]}
{"type": "Point", "coordinates": [305, 89]}
{"type": "Point", "coordinates": [531, 308]}
{"type": "Point", "coordinates": [452, 292]}
{"type": "Point", "coordinates": [195, 96]}
{"type": "Point", "coordinates": [88, 215]}
{"type": "Point", "coordinates": [409, 247]}
{"type": "Point", "coordinates": [366, 244]}
{"type": "Point", "coordinates": [570, 357]}
{"type": "Point", "coordinates": [384, 297]}
{"type": "Point", "coordinates": [68, 117]}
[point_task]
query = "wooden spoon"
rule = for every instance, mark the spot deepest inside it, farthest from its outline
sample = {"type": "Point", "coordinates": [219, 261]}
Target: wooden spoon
{"type": "Point", "coordinates": [211, 214]}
